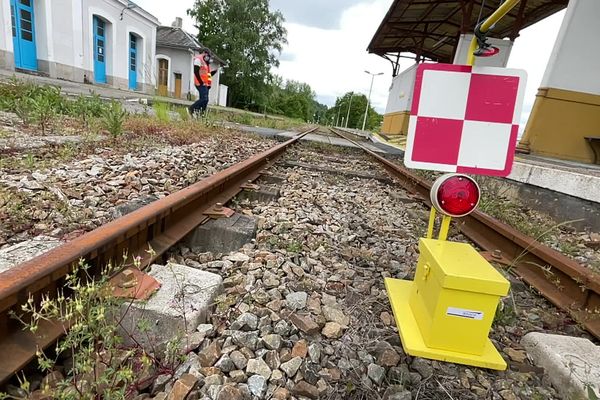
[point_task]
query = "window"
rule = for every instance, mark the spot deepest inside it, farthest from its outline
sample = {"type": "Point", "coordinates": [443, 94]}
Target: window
{"type": "Point", "coordinates": [26, 3]}
{"type": "Point", "coordinates": [100, 29]}
{"type": "Point", "coordinates": [25, 35]}
{"type": "Point", "coordinates": [25, 15]}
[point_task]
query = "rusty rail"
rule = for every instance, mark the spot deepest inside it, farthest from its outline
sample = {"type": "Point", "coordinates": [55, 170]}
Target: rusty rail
{"type": "Point", "coordinates": [558, 278]}
{"type": "Point", "coordinates": [158, 225]}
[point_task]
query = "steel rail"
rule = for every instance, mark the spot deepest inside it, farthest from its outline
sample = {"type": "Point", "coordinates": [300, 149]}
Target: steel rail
{"type": "Point", "coordinates": [558, 278]}
{"type": "Point", "coordinates": [159, 226]}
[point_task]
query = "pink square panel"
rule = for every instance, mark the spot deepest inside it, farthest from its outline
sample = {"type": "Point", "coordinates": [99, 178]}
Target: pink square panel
{"type": "Point", "coordinates": [496, 170]}
{"type": "Point", "coordinates": [437, 140]}
{"type": "Point", "coordinates": [492, 98]}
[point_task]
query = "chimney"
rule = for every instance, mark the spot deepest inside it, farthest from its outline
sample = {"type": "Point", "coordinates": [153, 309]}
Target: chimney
{"type": "Point", "coordinates": [178, 23]}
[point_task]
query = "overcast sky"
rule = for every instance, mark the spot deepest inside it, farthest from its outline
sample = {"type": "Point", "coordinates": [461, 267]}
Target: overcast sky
{"type": "Point", "coordinates": [328, 41]}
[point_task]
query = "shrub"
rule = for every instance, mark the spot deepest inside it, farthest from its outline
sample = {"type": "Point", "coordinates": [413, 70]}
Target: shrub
{"type": "Point", "coordinates": [87, 108]}
{"type": "Point", "coordinates": [113, 118]}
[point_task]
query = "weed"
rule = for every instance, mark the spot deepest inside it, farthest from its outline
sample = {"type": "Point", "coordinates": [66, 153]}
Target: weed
{"type": "Point", "coordinates": [294, 247]}
{"type": "Point", "coordinates": [591, 392]}
{"type": "Point", "coordinates": [273, 241]}
{"type": "Point", "coordinates": [495, 202]}
{"type": "Point", "coordinates": [67, 151]}
{"type": "Point", "coordinates": [506, 314]}
{"type": "Point", "coordinates": [101, 366]}
{"type": "Point", "coordinates": [569, 249]}
{"type": "Point", "coordinates": [91, 339]}
{"type": "Point", "coordinates": [162, 111]}
{"type": "Point", "coordinates": [43, 111]}
{"type": "Point", "coordinates": [23, 107]}
{"type": "Point", "coordinates": [30, 161]}
{"type": "Point", "coordinates": [113, 118]}
{"type": "Point", "coordinates": [44, 102]}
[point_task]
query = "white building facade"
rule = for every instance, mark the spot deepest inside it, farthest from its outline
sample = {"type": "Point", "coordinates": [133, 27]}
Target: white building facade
{"type": "Point", "coordinates": [110, 42]}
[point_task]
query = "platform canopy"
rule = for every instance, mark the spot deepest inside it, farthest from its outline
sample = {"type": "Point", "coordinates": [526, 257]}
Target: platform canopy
{"type": "Point", "coordinates": [430, 29]}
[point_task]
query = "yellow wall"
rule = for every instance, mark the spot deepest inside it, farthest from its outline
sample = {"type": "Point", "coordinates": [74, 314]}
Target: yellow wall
{"type": "Point", "coordinates": [559, 122]}
{"type": "Point", "coordinates": [396, 123]}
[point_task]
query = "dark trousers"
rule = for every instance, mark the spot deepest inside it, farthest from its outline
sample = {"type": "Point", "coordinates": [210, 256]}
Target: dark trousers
{"type": "Point", "coordinates": [202, 103]}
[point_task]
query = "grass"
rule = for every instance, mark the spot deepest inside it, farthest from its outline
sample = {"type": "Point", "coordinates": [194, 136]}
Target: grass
{"type": "Point", "coordinates": [162, 111]}
{"type": "Point", "coordinates": [183, 113]}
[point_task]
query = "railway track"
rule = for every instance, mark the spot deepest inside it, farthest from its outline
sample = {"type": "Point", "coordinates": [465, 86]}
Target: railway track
{"type": "Point", "coordinates": [162, 224]}
{"type": "Point", "coordinates": [159, 225]}
{"type": "Point", "coordinates": [558, 278]}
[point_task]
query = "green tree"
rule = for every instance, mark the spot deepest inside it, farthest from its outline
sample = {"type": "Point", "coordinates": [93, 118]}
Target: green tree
{"type": "Point", "coordinates": [357, 103]}
{"type": "Point", "coordinates": [249, 37]}
{"type": "Point", "coordinates": [293, 99]}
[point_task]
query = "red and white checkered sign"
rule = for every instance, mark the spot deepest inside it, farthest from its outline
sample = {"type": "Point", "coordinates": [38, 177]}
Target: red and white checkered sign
{"type": "Point", "coordinates": [465, 119]}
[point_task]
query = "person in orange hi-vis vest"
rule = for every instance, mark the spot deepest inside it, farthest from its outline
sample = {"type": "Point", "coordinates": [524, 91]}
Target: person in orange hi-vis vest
{"type": "Point", "coordinates": [202, 80]}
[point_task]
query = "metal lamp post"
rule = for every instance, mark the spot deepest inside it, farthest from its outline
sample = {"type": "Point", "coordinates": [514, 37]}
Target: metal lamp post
{"type": "Point", "coordinates": [349, 106]}
{"type": "Point", "coordinates": [369, 98]}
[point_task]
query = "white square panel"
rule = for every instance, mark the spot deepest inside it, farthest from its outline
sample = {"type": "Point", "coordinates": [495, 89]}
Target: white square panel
{"type": "Point", "coordinates": [484, 145]}
{"type": "Point", "coordinates": [444, 94]}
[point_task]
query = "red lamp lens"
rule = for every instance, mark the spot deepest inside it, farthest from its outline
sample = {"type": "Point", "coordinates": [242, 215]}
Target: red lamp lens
{"type": "Point", "coordinates": [458, 196]}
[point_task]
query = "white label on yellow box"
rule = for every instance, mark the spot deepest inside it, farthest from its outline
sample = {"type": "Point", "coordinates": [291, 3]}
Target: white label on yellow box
{"type": "Point", "coordinates": [463, 313]}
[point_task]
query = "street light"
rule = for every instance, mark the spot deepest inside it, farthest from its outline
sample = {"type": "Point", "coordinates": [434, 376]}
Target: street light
{"type": "Point", "coordinates": [369, 98]}
{"type": "Point", "coordinates": [350, 105]}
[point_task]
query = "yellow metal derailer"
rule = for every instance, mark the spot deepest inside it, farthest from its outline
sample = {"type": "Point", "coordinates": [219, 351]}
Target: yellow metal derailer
{"type": "Point", "coordinates": [447, 311]}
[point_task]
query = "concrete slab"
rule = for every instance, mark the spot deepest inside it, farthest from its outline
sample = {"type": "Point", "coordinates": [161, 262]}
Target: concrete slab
{"type": "Point", "coordinates": [24, 251]}
{"type": "Point", "coordinates": [131, 206]}
{"type": "Point", "coordinates": [269, 178]}
{"type": "Point", "coordinates": [183, 302]}
{"type": "Point", "coordinates": [571, 363]}
{"type": "Point", "coordinates": [578, 183]}
{"type": "Point", "coordinates": [223, 235]}
{"type": "Point", "coordinates": [265, 194]}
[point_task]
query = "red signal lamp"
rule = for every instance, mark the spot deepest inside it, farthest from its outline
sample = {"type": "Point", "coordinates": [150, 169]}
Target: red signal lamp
{"type": "Point", "coordinates": [455, 195]}
{"type": "Point", "coordinates": [489, 51]}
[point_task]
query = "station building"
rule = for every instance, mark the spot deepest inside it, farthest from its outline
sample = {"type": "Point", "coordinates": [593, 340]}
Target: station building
{"type": "Point", "coordinates": [565, 120]}
{"type": "Point", "coordinates": [110, 42]}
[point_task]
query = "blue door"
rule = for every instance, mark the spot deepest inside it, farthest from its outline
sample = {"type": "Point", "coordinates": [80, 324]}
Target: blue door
{"type": "Point", "coordinates": [99, 50]}
{"type": "Point", "coordinates": [23, 32]}
{"type": "Point", "coordinates": [132, 62]}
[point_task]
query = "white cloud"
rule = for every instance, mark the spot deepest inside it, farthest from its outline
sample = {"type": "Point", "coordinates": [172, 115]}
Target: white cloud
{"type": "Point", "coordinates": [333, 62]}
{"type": "Point", "coordinates": [167, 11]}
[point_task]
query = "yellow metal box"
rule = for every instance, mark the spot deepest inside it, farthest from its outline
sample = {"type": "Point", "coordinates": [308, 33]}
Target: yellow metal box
{"type": "Point", "coordinates": [455, 296]}
{"type": "Point", "coordinates": [447, 311]}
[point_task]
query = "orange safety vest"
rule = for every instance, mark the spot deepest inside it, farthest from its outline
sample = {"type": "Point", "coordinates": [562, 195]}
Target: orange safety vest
{"type": "Point", "coordinates": [205, 75]}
